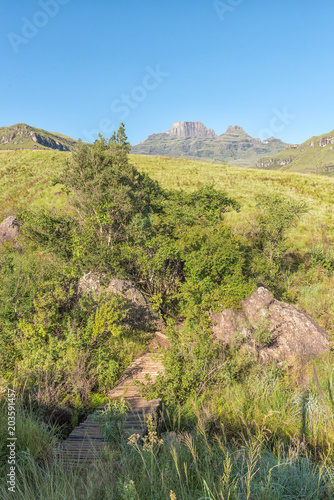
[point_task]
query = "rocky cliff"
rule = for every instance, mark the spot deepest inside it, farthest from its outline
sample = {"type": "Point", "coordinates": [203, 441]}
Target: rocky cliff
{"type": "Point", "coordinates": [22, 136]}
{"type": "Point", "coordinates": [190, 129]}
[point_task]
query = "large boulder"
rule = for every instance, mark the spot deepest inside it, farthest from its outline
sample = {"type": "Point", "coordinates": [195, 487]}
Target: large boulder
{"type": "Point", "coordinates": [140, 310]}
{"type": "Point", "coordinates": [9, 230]}
{"type": "Point", "coordinates": [271, 328]}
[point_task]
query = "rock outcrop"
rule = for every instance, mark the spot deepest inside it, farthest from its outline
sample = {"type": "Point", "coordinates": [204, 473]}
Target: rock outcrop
{"type": "Point", "coordinates": [271, 328]}
{"type": "Point", "coordinates": [140, 310]}
{"type": "Point", "coordinates": [48, 142]}
{"type": "Point", "coordinates": [273, 162]}
{"type": "Point", "coordinates": [323, 142]}
{"type": "Point", "coordinates": [232, 129]}
{"type": "Point", "coordinates": [191, 129]}
{"type": "Point", "coordinates": [9, 230]}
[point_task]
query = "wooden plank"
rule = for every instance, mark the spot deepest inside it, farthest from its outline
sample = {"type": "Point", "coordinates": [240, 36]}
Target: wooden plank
{"type": "Point", "coordinates": [86, 442]}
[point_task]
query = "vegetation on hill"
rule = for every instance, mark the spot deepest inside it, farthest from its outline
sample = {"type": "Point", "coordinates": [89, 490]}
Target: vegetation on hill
{"type": "Point", "coordinates": [25, 180]}
{"type": "Point", "coordinates": [316, 156]}
{"type": "Point", "coordinates": [22, 136]}
{"type": "Point", "coordinates": [235, 146]}
{"type": "Point", "coordinates": [194, 237]}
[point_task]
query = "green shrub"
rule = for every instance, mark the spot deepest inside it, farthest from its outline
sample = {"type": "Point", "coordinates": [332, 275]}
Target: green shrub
{"type": "Point", "coordinates": [194, 364]}
{"type": "Point", "coordinates": [215, 263]}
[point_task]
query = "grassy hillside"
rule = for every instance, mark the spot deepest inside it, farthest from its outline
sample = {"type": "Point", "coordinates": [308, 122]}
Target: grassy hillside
{"type": "Point", "coordinates": [22, 136]}
{"type": "Point", "coordinates": [316, 155]}
{"type": "Point", "coordinates": [26, 175]}
{"type": "Point", "coordinates": [235, 146]}
{"type": "Point", "coordinates": [246, 185]}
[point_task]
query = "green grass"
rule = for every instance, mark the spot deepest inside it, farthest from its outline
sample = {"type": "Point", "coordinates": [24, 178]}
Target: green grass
{"type": "Point", "coordinates": [181, 466]}
{"type": "Point", "coordinates": [25, 180]}
{"type": "Point", "coordinates": [246, 185]}
{"type": "Point", "coordinates": [34, 437]}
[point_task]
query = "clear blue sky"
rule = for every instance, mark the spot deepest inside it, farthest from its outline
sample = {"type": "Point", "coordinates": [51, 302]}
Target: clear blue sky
{"type": "Point", "coordinates": [75, 66]}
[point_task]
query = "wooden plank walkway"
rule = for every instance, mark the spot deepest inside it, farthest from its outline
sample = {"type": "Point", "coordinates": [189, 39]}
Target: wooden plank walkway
{"type": "Point", "coordinates": [86, 442]}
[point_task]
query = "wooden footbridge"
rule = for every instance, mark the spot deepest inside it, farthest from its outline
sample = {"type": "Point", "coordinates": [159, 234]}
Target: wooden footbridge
{"type": "Point", "coordinates": [86, 442]}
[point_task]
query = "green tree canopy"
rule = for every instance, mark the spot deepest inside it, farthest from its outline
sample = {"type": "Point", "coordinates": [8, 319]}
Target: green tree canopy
{"type": "Point", "coordinates": [106, 190]}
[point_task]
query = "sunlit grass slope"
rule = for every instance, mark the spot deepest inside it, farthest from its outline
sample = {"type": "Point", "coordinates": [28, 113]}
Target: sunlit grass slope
{"type": "Point", "coordinates": [25, 180]}
{"type": "Point", "coordinates": [313, 156]}
{"type": "Point", "coordinates": [247, 185]}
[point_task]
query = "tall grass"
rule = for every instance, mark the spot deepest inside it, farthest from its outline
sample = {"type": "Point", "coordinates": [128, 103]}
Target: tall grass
{"type": "Point", "coordinates": [183, 466]}
{"type": "Point", "coordinates": [35, 439]}
{"type": "Point", "coordinates": [269, 436]}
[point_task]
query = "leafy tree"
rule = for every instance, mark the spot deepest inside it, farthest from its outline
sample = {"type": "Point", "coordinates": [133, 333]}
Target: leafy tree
{"type": "Point", "coordinates": [108, 192]}
{"type": "Point", "coordinates": [52, 231]}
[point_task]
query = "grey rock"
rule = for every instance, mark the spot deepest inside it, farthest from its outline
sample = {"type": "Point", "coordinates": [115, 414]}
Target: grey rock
{"type": "Point", "coordinates": [9, 230]}
{"type": "Point", "coordinates": [273, 162]}
{"type": "Point", "coordinates": [292, 333]}
{"type": "Point", "coordinates": [140, 312]}
{"type": "Point", "coordinates": [326, 140]}
{"type": "Point", "coordinates": [191, 129]}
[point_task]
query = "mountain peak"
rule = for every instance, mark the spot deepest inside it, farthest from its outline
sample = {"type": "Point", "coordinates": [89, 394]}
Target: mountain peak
{"type": "Point", "coordinates": [235, 128]}
{"type": "Point", "coordinates": [191, 129]}
{"type": "Point", "coordinates": [193, 140]}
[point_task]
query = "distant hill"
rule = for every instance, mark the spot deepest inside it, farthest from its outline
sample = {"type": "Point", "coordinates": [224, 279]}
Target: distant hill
{"type": "Point", "coordinates": [22, 136]}
{"type": "Point", "coordinates": [316, 155]}
{"type": "Point", "coordinates": [194, 141]}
